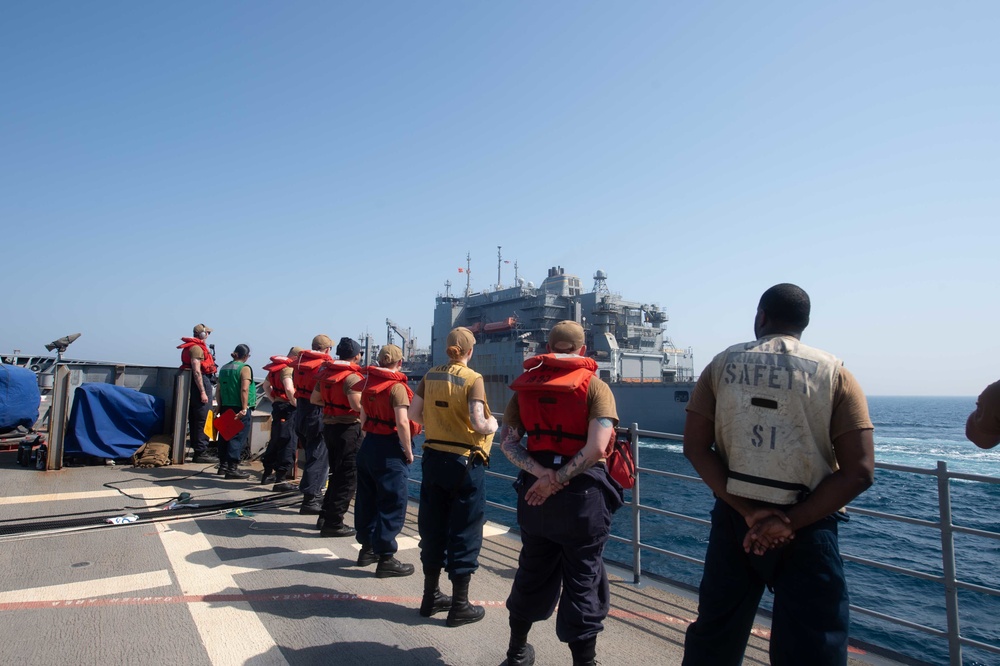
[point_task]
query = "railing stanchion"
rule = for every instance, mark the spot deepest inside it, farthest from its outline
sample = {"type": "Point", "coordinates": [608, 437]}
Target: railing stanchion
{"type": "Point", "coordinates": [636, 551]}
{"type": "Point", "coordinates": [948, 564]}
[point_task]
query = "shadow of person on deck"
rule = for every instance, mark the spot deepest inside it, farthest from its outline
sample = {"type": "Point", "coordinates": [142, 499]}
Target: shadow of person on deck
{"type": "Point", "coordinates": [350, 654]}
{"type": "Point", "coordinates": [300, 602]}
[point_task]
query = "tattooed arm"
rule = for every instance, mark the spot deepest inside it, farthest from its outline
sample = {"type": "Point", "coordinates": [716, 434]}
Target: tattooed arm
{"type": "Point", "coordinates": [598, 434]}
{"type": "Point", "coordinates": [545, 479]}
{"type": "Point", "coordinates": [510, 444]}
{"type": "Point", "coordinates": [484, 425]}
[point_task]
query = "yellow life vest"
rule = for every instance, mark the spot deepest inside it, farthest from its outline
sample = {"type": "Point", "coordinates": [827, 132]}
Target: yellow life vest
{"type": "Point", "coordinates": [446, 412]}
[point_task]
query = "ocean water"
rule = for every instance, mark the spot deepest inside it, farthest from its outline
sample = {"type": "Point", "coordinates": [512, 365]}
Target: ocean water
{"type": "Point", "coordinates": [909, 431]}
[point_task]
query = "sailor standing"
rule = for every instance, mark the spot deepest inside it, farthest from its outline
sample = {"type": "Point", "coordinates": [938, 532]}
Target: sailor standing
{"type": "Point", "coordinates": [450, 402]}
{"type": "Point", "coordinates": [279, 456]}
{"type": "Point", "coordinates": [196, 357]}
{"type": "Point", "coordinates": [780, 432]}
{"type": "Point", "coordinates": [237, 393]}
{"type": "Point", "coordinates": [565, 496]}
{"type": "Point", "coordinates": [309, 424]}
{"type": "Point", "coordinates": [338, 391]}
{"type": "Point", "coordinates": [384, 464]}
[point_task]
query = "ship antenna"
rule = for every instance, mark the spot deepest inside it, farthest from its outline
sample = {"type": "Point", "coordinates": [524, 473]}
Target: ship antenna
{"type": "Point", "coordinates": [468, 275]}
{"type": "Point", "coordinates": [447, 288]}
{"type": "Point", "coordinates": [515, 272]}
{"type": "Point", "coordinates": [499, 262]}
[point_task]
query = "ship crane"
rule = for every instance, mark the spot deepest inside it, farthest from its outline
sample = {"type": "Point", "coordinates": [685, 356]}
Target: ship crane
{"type": "Point", "coordinates": [407, 342]}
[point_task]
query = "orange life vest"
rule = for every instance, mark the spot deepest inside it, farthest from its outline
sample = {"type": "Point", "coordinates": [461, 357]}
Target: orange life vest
{"type": "Point", "coordinates": [306, 368]}
{"type": "Point", "coordinates": [208, 365]}
{"type": "Point", "coordinates": [552, 397]}
{"type": "Point", "coordinates": [376, 399]}
{"type": "Point", "coordinates": [331, 378]}
{"type": "Point", "coordinates": [273, 369]}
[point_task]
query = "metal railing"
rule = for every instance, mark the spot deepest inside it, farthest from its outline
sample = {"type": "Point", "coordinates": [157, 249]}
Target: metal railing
{"type": "Point", "coordinates": [949, 578]}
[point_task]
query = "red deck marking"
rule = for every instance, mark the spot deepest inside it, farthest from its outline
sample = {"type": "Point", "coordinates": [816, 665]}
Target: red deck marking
{"type": "Point", "coordinates": [665, 618]}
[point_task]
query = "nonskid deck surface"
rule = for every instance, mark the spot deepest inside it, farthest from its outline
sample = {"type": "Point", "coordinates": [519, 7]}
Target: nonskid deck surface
{"type": "Point", "coordinates": [260, 589]}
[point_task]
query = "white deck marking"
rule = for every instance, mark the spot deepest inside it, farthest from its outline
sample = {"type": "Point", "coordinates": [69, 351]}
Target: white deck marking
{"type": "Point", "coordinates": [492, 529]}
{"type": "Point", "coordinates": [87, 589]}
{"type": "Point", "coordinates": [61, 497]}
{"type": "Point", "coordinates": [232, 633]}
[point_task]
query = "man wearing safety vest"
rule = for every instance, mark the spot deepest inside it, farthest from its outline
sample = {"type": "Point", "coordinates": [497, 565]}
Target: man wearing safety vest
{"type": "Point", "coordinates": [279, 456]}
{"type": "Point", "coordinates": [309, 423]}
{"type": "Point", "coordinates": [780, 432]}
{"type": "Point", "coordinates": [565, 496]}
{"type": "Point", "coordinates": [458, 433]}
{"type": "Point", "coordinates": [196, 357]}
{"type": "Point", "coordinates": [237, 393]}
{"type": "Point", "coordinates": [383, 464]}
{"type": "Point", "coordinates": [338, 392]}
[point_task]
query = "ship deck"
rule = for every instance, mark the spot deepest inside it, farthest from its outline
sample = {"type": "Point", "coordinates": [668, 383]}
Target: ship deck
{"type": "Point", "coordinates": [262, 588]}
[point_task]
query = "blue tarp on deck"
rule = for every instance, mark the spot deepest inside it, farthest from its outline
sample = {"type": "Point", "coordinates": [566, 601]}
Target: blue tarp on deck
{"type": "Point", "coordinates": [110, 421]}
{"type": "Point", "coordinates": [19, 397]}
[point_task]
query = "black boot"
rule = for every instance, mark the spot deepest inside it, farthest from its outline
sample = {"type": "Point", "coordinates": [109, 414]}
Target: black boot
{"type": "Point", "coordinates": [265, 477]}
{"type": "Point", "coordinates": [519, 650]}
{"type": "Point", "coordinates": [367, 556]}
{"type": "Point", "coordinates": [434, 601]}
{"type": "Point", "coordinates": [234, 472]}
{"type": "Point", "coordinates": [389, 567]}
{"type": "Point", "coordinates": [311, 505]}
{"type": "Point", "coordinates": [462, 612]}
{"type": "Point", "coordinates": [584, 652]}
{"type": "Point", "coordinates": [222, 468]}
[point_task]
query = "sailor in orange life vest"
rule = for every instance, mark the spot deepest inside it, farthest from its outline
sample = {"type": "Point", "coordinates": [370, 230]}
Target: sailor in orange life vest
{"type": "Point", "coordinates": [780, 432]}
{"type": "Point", "coordinates": [383, 463]}
{"type": "Point", "coordinates": [309, 424]}
{"type": "Point", "coordinates": [279, 456]}
{"type": "Point", "coordinates": [338, 392]}
{"type": "Point", "coordinates": [565, 496]}
{"type": "Point", "coordinates": [196, 357]}
{"type": "Point", "coordinates": [451, 404]}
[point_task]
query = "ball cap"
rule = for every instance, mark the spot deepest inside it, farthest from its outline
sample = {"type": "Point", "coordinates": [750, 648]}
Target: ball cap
{"type": "Point", "coordinates": [321, 342]}
{"type": "Point", "coordinates": [462, 338]}
{"type": "Point", "coordinates": [294, 351]}
{"type": "Point", "coordinates": [389, 355]}
{"type": "Point", "coordinates": [201, 328]}
{"type": "Point", "coordinates": [565, 337]}
{"type": "Point", "coordinates": [348, 348]}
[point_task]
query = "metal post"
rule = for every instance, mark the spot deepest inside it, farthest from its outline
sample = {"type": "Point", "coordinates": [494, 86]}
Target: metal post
{"type": "Point", "coordinates": [182, 403]}
{"type": "Point", "coordinates": [58, 417]}
{"type": "Point", "coordinates": [948, 564]}
{"type": "Point", "coordinates": [636, 553]}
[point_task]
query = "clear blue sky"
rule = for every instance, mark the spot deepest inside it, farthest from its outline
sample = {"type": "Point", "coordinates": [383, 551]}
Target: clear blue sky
{"type": "Point", "coordinates": [277, 170]}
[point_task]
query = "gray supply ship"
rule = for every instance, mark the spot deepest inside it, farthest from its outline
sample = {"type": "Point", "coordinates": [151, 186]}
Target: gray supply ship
{"type": "Point", "coordinates": [652, 379]}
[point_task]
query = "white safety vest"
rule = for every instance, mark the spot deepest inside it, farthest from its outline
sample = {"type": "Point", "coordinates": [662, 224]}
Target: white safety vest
{"type": "Point", "coordinates": [774, 401]}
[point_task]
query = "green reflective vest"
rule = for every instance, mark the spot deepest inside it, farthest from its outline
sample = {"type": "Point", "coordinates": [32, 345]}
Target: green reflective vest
{"type": "Point", "coordinates": [229, 386]}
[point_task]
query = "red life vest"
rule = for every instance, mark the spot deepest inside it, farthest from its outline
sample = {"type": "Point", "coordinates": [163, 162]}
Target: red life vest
{"type": "Point", "coordinates": [306, 368]}
{"type": "Point", "coordinates": [552, 397]}
{"type": "Point", "coordinates": [331, 378]}
{"type": "Point", "coordinates": [376, 399]}
{"type": "Point", "coordinates": [208, 365]}
{"type": "Point", "coordinates": [273, 369]}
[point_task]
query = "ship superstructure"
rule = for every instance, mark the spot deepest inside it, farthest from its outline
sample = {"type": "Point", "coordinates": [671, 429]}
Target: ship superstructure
{"type": "Point", "coordinates": [651, 378]}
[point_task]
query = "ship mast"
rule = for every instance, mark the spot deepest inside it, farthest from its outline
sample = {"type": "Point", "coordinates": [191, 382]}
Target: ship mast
{"type": "Point", "coordinates": [468, 275]}
{"type": "Point", "coordinates": [499, 263]}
